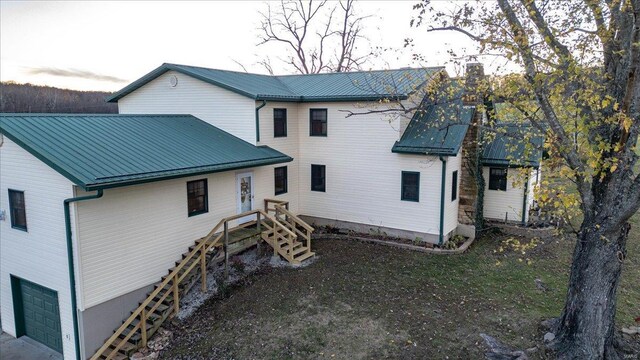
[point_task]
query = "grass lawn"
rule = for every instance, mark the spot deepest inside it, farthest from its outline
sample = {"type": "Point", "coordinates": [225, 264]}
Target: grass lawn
{"type": "Point", "coordinates": [361, 300]}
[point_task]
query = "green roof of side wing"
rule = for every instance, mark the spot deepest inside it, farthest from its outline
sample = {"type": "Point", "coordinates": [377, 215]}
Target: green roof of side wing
{"type": "Point", "coordinates": [105, 151]}
{"type": "Point", "coordinates": [509, 147]}
{"type": "Point", "coordinates": [438, 129]}
{"type": "Point", "coordinates": [345, 86]}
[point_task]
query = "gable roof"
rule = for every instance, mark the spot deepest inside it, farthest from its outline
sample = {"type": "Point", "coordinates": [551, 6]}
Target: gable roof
{"type": "Point", "coordinates": [440, 128]}
{"type": "Point", "coordinates": [345, 86]}
{"type": "Point", "coordinates": [105, 151]}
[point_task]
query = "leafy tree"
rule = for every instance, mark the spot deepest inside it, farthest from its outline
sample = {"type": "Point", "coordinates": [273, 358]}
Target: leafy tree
{"type": "Point", "coordinates": [579, 84]}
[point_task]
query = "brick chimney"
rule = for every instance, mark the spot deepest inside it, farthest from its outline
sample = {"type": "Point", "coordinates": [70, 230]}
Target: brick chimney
{"type": "Point", "coordinates": [471, 170]}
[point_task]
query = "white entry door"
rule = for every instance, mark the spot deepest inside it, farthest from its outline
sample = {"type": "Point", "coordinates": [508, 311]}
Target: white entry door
{"type": "Point", "coordinates": [245, 195]}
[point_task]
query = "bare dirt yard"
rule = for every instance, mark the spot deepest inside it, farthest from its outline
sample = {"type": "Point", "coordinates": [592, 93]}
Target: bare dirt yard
{"type": "Point", "coordinates": [365, 301]}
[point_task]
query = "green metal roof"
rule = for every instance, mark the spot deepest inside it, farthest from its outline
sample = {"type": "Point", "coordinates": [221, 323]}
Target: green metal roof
{"type": "Point", "coordinates": [104, 151]}
{"type": "Point", "coordinates": [345, 86]}
{"type": "Point", "coordinates": [439, 129]}
{"type": "Point", "coordinates": [509, 147]}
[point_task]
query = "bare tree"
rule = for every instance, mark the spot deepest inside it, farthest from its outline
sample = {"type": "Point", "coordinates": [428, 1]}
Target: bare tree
{"type": "Point", "coordinates": [315, 44]}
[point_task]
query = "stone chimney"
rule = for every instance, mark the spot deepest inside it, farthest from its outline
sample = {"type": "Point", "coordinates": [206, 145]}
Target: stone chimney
{"type": "Point", "coordinates": [471, 170]}
{"type": "Point", "coordinates": [473, 76]}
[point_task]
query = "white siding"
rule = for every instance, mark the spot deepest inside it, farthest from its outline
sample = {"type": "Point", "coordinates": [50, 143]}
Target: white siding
{"type": "Point", "coordinates": [222, 108]}
{"type": "Point", "coordinates": [132, 235]}
{"type": "Point", "coordinates": [39, 255]}
{"type": "Point", "coordinates": [534, 179]}
{"type": "Point", "coordinates": [363, 176]}
{"type": "Point", "coordinates": [500, 204]}
{"type": "Point", "coordinates": [451, 207]}
{"type": "Point", "coordinates": [288, 145]}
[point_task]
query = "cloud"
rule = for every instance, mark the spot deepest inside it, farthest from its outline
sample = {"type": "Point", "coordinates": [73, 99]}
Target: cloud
{"type": "Point", "coordinates": [75, 73]}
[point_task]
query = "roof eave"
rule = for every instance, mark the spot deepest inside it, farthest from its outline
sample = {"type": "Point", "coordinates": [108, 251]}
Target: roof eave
{"type": "Point", "coordinates": [308, 99]}
{"type": "Point", "coordinates": [424, 151]}
{"type": "Point", "coordinates": [509, 164]}
{"type": "Point", "coordinates": [166, 67]}
{"type": "Point", "coordinates": [208, 170]}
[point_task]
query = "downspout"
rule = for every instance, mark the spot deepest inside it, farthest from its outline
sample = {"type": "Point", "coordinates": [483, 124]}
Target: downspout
{"type": "Point", "coordinates": [264, 102]}
{"type": "Point", "coordinates": [524, 200]}
{"type": "Point", "coordinates": [72, 274]}
{"type": "Point", "coordinates": [442, 188]}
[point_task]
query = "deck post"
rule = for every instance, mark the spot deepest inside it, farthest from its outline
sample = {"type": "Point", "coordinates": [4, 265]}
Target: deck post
{"type": "Point", "coordinates": [226, 250]}
{"type": "Point", "coordinates": [259, 222]}
{"type": "Point", "coordinates": [143, 327]}
{"type": "Point", "coordinates": [176, 297]}
{"type": "Point", "coordinates": [203, 268]}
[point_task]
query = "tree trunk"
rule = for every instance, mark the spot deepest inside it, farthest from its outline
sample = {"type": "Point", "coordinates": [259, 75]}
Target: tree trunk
{"type": "Point", "coordinates": [586, 328]}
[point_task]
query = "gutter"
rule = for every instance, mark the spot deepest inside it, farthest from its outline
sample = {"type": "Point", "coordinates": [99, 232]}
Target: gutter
{"type": "Point", "coordinates": [524, 200]}
{"type": "Point", "coordinates": [442, 192]}
{"type": "Point", "coordinates": [264, 102]}
{"type": "Point", "coordinates": [72, 274]}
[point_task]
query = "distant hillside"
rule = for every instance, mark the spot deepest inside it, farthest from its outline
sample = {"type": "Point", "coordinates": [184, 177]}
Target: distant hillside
{"type": "Point", "coordinates": [26, 98]}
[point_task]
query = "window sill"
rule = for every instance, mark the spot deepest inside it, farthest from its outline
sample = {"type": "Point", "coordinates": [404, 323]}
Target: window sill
{"type": "Point", "coordinates": [195, 213]}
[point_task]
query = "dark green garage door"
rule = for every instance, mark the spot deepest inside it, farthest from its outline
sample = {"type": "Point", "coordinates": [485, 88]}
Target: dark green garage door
{"type": "Point", "coordinates": [37, 313]}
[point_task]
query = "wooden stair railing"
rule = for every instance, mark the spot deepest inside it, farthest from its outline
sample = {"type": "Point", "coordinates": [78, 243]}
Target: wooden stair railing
{"type": "Point", "coordinates": [292, 222]}
{"type": "Point", "coordinates": [167, 291]}
{"type": "Point", "coordinates": [295, 223]}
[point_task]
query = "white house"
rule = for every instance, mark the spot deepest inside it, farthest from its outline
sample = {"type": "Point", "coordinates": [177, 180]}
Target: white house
{"type": "Point", "coordinates": [97, 208]}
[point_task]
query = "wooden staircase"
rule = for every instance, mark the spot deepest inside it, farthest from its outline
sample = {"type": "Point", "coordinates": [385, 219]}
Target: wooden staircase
{"type": "Point", "coordinates": [289, 236]}
{"type": "Point", "coordinates": [293, 245]}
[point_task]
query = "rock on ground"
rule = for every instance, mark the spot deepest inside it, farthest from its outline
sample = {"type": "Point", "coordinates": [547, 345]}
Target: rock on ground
{"type": "Point", "coordinates": [498, 351]}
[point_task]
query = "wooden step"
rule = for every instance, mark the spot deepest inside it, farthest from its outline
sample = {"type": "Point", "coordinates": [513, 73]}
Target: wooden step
{"type": "Point", "coordinates": [137, 336]}
{"type": "Point", "coordinates": [152, 318]}
{"type": "Point", "coordinates": [159, 310]}
{"type": "Point", "coordinates": [305, 256]}
{"type": "Point", "coordinates": [167, 301]}
{"type": "Point", "coordinates": [117, 356]}
{"type": "Point", "coordinates": [299, 250]}
{"type": "Point", "coordinates": [127, 348]}
{"type": "Point", "coordinates": [296, 245]}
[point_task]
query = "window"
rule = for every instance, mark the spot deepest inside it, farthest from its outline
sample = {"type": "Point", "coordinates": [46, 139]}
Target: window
{"type": "Point", "coordinates": [454, 185]}
{"type": "Point", "coordinates": [280, 174]}
{"type": "Point", "coordinates": [279, 122]}
{"type": "Point", "coordinates": [197, 198]}
{"type": "Point", "coordinates": [498, 179]}
{"type": "Point", "coordinates": [410, 186]}
{"type": "Point", "coordinates": [17, 210]}
{"type": "Point", "coordinates": [318, 122]}
{"type": "Point", "coordinates": [318, 180]}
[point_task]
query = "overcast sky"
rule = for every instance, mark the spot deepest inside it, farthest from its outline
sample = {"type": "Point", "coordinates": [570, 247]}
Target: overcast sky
{"type": "Point", "coordinates": [93, 45]}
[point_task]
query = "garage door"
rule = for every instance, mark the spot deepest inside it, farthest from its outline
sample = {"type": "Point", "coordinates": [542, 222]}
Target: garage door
{"type": "Point", "coordinates": [39, 312]}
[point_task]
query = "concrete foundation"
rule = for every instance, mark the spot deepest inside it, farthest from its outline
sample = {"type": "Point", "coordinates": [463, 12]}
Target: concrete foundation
{"type": "Point", "coordinates": [374, 230]}
{"type": "Point", "coordinates": [466, 230]}
{"type": "Point", "coordinates": [98, 322]}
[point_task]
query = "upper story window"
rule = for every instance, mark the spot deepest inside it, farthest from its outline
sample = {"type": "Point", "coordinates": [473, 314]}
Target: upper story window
{"type": "Point", "coordinates": [410, 186]}
{"type": "Point", "coordinates": [17, 210]}
{"type": "Point", "coordinates": [197, 197]}
{"type": "Point", "coordinates": [318, 178]}
{"type": "Point", "coordinates": [279, 122]}
{"type": "Point", "coordinates": [498, 179]}
{"type": "Point", "coordinates": [318, 122]}
{"type": "Point", "coordinates": [454, 185]}
{"type": "Point", "coordinates": [280, 177]}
